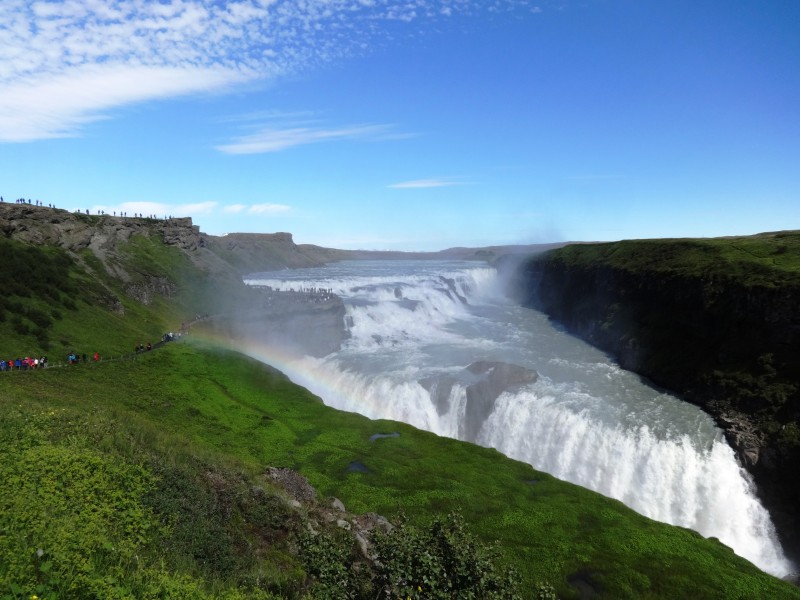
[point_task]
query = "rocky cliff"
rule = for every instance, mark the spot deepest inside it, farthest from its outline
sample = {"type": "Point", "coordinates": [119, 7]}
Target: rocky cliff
{"type": "Point", "coordinates": [99, 233]}
{"type": "Point", "coordinates": [103, 235]}
{"type": "Point", "coordinates": [714, 321]}
{"type": "Point", "coordinates": [253, 252]}
{"type": "Point", "coordinates": [111, 248]}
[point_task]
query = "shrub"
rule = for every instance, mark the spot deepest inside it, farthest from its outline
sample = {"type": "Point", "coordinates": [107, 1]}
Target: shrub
{"type": "Point", "coordinates": [330, 559]}
{"type": "Point", "coordinates": [20, 327]}
{"type": "Point", "coordinates": [69, 529]}
{"type": "Point", "coordinates": [442, 562]}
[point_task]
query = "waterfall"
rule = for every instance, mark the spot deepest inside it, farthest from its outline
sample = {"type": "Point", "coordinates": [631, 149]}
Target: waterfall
{"type": "Point", "coordinates": [415, 329]}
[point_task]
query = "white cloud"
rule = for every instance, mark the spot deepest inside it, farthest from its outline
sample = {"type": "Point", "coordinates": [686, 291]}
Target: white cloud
{"type": "Point", "coordinates": [145, 208]}
{"type": "Point", "coordinates": [268, 209]}
{"type": "Point", "coordinates": [199, 208]}
{"type": "Point", "coordinates": [210, 207]}
{"type": "Point", "coordinates": [57, 105]}
{"type": "Point", "coordinates": [275, 139]}
{"type": "Point", "coordinates": [67, 63]}
{"type": "Point", "coordinates": [160, 209]}
{"type": "Point", "coordinates": [425, 183]}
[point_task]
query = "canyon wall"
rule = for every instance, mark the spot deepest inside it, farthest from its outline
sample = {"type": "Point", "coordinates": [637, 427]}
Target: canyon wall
{"type": "Point", "coordinates": [717, 322]}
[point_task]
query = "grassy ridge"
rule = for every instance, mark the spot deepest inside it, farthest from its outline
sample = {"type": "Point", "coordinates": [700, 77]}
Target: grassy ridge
{"type": "Point", "coordinates": [771, 259]}
{"type": "Point", "coordinates": [168, 419]}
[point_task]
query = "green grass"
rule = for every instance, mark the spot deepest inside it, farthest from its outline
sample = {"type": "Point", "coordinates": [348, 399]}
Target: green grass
{"type": "Point", "coordinates": [765, 259]}
{"type": "Point", "coordinates": [147, 260]}
{"type": "Point", "coordinates": [180, 413]}
{"type": "Point", "coordinates": [145, 478]}
{"type": "Point", "coordinates": [57, 304]}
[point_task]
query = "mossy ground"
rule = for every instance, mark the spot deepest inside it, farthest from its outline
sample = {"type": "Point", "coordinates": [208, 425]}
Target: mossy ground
{"type": "Point", "coordinates": [770, 259]}
{"type": "Point", "coordinates": [108, 465]}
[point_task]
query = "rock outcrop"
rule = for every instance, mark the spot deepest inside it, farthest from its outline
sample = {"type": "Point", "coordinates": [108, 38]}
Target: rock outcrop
{"type": "Point", "coordinates": [319, 514]}
{"type": "Point", "coordinates": [102, 245]}
{"type": "Point", "coordinates": [253, 252]}
{"type": "Point", "coordinates": [483, 383]}
{"type": "Point", "coordinates": [100, 233]}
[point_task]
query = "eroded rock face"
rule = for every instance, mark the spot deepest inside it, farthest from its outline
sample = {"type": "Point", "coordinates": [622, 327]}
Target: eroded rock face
{"type": "Point", "coordinates": [146, 291]}
{"type": "Point", "coordinates": [295, 484]}
{"type": "Point", "coordinates": [484, 382]}
{"type": "Point", "coordinates": [743, 436]}
{"type": "Point", "coordinates": [100, 233]}
{"type": "Point", "coordinates": [495, 378]}
{"type": "Point", "coordinates": [253, 252]}
{"type": "Point", "coordinates": [304, 497]}
{"type": "Point", "coordinates": [222, 259]}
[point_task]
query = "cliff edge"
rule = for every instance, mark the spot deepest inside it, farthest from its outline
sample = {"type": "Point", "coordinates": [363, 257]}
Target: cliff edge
{"type": "Point", "coordinates": [103, 235]}
{"type": "Point", "coordinates": [715, 321]}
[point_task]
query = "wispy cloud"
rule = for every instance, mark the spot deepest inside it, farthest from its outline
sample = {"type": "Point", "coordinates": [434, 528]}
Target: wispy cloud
{"type": "Point", "coordinates": [257, 209]}
{"type": "Point", "coordinates": [270, 139]}
{"type": "Point", "coordinates": [159, 209]}
{"type": "Point", "coordinates": [268, 209]}
{"type": "Point", "coordinates": [144, 208]}
{"type": "Point", "coordinates": [198, 208]}
{"type": "Point", "coordinates": [50, 106]}
{"type": "Point", "coordinates": [425, 183]}
{"type": "Point", "coordinates": [67, 63]}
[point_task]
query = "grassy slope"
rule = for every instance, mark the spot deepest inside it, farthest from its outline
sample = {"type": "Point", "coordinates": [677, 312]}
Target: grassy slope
{"type": "Point", "coordinates": [136, 478]}
{"type": "Point", "coordinates": [766, 259]}
{"type": "Point", "coordinates": [189, 401]}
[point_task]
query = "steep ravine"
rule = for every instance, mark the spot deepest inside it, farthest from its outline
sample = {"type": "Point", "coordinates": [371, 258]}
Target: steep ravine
{"type": "Point", "coordinates": [721, 333]}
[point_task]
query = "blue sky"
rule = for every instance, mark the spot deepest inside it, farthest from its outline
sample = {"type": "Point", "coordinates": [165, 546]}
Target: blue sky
{"type": "Point", "coordinates": [411, 125]}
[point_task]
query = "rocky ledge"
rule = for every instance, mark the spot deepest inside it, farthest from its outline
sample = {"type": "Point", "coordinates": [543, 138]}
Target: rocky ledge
{"type": "Point", "coordinates": [484, 382]}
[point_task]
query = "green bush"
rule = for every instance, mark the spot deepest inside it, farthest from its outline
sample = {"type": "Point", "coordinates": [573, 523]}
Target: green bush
{"type": "Point", "coordinates": [331, 561]}
{"type": "Point", "coordinates": [442, 562]}
{"type": "Point", "coordinates": [72, 520]}
{"type": "Point", "coordinates": [19, 326]}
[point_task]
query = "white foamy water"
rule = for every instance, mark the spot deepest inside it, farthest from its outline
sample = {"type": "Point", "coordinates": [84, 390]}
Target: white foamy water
{"type": "Point", "coordinates": [584, 420]}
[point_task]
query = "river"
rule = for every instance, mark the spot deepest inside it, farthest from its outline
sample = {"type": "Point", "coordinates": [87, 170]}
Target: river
{"type": "Point", "coordinates": [416, 326]}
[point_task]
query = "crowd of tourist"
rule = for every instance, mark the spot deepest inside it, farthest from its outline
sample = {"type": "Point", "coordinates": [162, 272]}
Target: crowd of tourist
{"type": "Point", "coordinates": [30, 363]}
{"type": "Point", "coordinates": [308, 295]}
{"type": "Point", "coordinates": [23, 364]}
{"type": "Point", "coordinates": [125, 214]}
{"type": "Point", "coordinates": [73, 358]}
{"type": "Point", "coordinates": [29, 201]}
{"type": "Point", "coordinates": [99, 212]}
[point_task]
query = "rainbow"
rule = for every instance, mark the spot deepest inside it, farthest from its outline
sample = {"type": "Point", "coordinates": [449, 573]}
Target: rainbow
{"type": "Point", "coordinates": [302, 370]}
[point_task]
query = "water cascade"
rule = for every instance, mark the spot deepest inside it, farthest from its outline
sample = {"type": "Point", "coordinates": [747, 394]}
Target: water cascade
{"type": "Point", "coordinates": [436, 345]}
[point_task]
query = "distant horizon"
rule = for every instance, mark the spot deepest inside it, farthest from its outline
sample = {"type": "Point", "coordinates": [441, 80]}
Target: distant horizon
{"type": "Point", "coordinates": [388, 250]}
{"type": "Point", "coordinates": [409, 126]}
